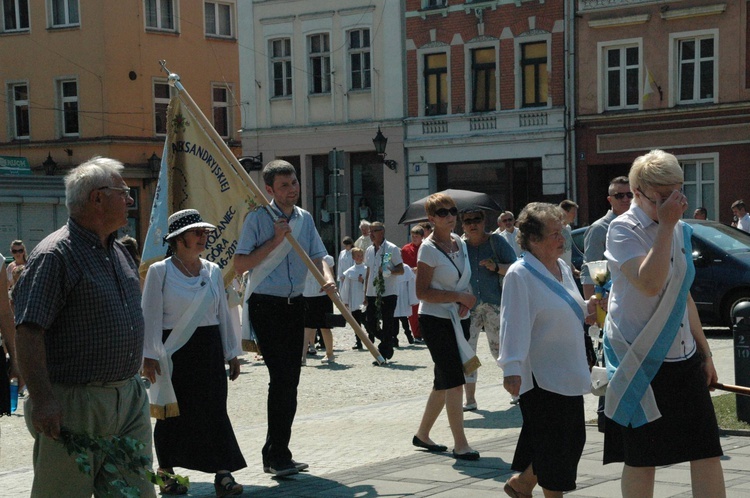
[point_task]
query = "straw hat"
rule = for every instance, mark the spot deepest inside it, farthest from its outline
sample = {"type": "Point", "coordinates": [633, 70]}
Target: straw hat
{"type": "Point", "coordinates": [185, 220]}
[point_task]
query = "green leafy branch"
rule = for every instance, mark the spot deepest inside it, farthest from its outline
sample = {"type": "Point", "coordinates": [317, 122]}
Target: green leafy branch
{"type": "Point", "coordinates": [379, 282]}
{"type": "Point", "coordinates": [119, 456]}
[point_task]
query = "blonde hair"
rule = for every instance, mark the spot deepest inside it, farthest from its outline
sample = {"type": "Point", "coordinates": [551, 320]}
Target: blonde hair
{"type": "Point", "coordinates": [357, 250]}
{"type": "Point", "coordinates": [655, 169]}
{"type": "Point", "coordinates": [436, 201]}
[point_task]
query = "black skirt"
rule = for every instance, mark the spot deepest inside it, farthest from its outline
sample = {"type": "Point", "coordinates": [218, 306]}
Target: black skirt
{"type": "Point", "coordinates": [315, 311]}
{"type": "Point", "coordinates": [686, 431]}
{"type": "Point", "coordinates": [440, 338]}
{"type": "Point", "coordinates": [552, 438]}
{"type": "Point", "coordinates": [4, 385]}
{"type": "Point", "coordinates": [201, 437]}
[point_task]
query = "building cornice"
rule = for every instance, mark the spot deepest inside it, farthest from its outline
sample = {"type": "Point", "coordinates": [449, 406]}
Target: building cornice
{"type": "Point", "coordinates": [585, 6]}
{"type": "Point", "coordinates": [666, 116]}
{"type": "Point", "coordinates": [614, 22]}
{"type": "Point", "coordinates": [706, 10]}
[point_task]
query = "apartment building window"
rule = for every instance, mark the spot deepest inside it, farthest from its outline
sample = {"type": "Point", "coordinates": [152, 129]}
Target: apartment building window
{"type": "Point", "coordinates": [68, 98]}
{"type": "Point", "coordinates": [696, 70]}
{"type": "Point", "coordinates": [64, 13]}
{"type": "Point", "coordinates": [534, 83]}
{"type": "Point", "coordinates": [320, 63]}
{"type": "Point", "coordinates": [622, 78]}
{"type": "Point", "coordinates": [281, 66]}
{"type": "Point", "coordinates": [220, 106]}
{"type": "Point", "coordinates": [218, 19]}
{"type": "Point", "coordinates": [160, 14]}
{"type": "Point", "coordinates": [19, 111]}
{"type": "Point", "coordinates": [359, 58]}
{"type": "Point", "coordinates": [436, 84]}
{"type": "Point", "coordinates": [432, 4]}
{"type": "Point", "coordinates": [15, 15]}
{"type": "Point", "coordinates": [484, 93]}
{"type": "Point", "coordinates": [162, 93]}
{"type": "Point", "coordinates": [700, 184]}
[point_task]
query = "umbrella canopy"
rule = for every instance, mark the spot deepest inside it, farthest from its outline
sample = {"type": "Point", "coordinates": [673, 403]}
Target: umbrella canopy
{"type": "Point", "coordinates": [464, 199]}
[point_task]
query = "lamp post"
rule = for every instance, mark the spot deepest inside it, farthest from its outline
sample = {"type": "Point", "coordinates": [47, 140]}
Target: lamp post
{"type": "Point", "coordinates": [154, 164]}
{"type": "Point", "coordinates": [49, 165]}
{"type": "Point", "coordinates": [252, 163]}
{"type": "Point", "coordinates": [380, 141]}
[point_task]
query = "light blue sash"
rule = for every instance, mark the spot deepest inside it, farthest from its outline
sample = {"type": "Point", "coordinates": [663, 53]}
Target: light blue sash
{"type": "Point", "coordinates": [555, 287]}
{"type": "Point", "coordinates": [629, 409]}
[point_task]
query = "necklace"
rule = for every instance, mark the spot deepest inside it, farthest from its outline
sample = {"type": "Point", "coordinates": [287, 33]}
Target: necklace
{"type": "Point", "coordinates": [174, 256]}
{"type": "Point", "coordinates": [447, 246]}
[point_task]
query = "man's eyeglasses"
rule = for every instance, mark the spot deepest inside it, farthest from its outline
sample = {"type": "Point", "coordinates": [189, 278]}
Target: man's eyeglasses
{"type": "Point", "coordinates": [443, 212]}
{"type": "Point", "coordinates": [123, 190]}
{"type": "Point", "coordinates": [619, 195]}
{"type": "Point", "coordinates": [18, 251]}
{"type": "Point", "coordinates": [472, 221]}
{"type": "Point", "coordinates": [508, 220]}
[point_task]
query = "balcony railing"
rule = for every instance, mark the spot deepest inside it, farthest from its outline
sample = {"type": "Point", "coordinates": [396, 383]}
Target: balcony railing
{"type": "Point", "coordinates": [589, 5]}
{"type": "Point", "coordinates": [489, 123]}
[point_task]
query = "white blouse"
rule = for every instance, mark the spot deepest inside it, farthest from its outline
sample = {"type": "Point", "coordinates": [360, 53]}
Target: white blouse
{"type": "Point", "coordinates": [167, 293]}
{"type": "Point", "coordinates": [540, 334]}
{"type": "Point", "coordinates": [444, 276]}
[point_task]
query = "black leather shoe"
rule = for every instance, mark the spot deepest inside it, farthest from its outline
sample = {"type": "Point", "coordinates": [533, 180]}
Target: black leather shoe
{"type": "Point", "coordinates": [469, 455]}
{"type": "Point", "coordinates": [429, 447]}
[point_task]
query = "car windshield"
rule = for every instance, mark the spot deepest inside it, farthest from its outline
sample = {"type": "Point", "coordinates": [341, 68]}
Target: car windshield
{"type": "Point", "coordinates": [726, 238]}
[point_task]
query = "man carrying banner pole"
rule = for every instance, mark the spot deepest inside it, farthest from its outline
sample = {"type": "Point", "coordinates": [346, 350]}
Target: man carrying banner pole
{"type": "Point", "coordinates": [200, 172]}
{"type": "Point", "coordinates": [275, 303]}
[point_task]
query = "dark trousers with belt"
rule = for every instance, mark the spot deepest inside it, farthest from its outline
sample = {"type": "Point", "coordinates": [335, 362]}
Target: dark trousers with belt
{"type": "Point", "coordinates": [279, 326]}
{"type": "Point", "coordinates": [390, 324]}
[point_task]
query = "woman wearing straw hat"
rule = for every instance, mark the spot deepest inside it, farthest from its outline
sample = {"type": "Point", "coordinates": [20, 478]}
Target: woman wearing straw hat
{"type": "Point", "coordinates": [188, 339]}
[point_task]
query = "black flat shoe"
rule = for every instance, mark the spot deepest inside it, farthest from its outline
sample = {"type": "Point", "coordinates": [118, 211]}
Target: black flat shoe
{"type": "Point", "coordinates": [429, 447]}
{"type": "Point", "coordinates": [469, 455]}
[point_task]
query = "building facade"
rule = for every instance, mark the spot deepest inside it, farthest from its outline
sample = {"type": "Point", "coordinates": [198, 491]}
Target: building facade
{"type": "Point", "coordinates": [325, 75]}
{"type": "Point", "coordinates": [672, 76]}
{"type": "Point", "coordinates": [486, 85]}
{"type": "Point", "coordinates": [81, 78]}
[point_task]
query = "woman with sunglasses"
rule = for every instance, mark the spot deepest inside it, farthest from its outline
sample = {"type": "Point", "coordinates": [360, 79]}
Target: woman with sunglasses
{"type": "Point", "coordinates": [188, 341]}
{"type": "Point", "coordinates": [658, 405]}
{"type": "Point", "coordinates": [489, 258]}
{"type": "Point", "coordinates": [443, 276]}
{"type": "Point", "coordinates": [19, 258]}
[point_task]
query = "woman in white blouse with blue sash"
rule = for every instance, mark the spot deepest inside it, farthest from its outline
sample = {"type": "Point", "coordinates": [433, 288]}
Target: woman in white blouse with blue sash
{"type": "Point", "coordinates": [658, 405]}
{"type": "Point", "coordinates": [543, 356]}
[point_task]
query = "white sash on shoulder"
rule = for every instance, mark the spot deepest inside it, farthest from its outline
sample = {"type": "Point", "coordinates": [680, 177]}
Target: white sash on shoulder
{"type": "Point", "coordinates": [469, 358]}
{"type": "Point", "coordinates": [260, 272]}
{"type": "Point", "coordinates": [630, 399]}
{"type": "Point", "coordinates": [161, 394]}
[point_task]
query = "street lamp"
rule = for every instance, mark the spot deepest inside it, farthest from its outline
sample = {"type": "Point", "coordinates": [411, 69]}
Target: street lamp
{"type": "Point", "coordinates": [154, 163]}
{"type": "Point", "coordinates": [252, 163]}
{"type": "Point", "coordinates": [380, 141]}
{"type": "Point", "coordinates": [49, 165]}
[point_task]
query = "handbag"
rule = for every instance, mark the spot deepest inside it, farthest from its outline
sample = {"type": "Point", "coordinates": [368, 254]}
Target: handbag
{"type": "Point", "coordinates": [599, 381]}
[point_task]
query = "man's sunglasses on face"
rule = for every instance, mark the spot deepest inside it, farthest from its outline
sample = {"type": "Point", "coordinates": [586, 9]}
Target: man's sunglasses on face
{"type": "Point", "coordinates": [619, 195]}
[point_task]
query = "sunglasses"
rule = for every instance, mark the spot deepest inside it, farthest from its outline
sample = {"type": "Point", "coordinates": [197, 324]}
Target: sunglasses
{"type": "Point", "coordinates": [18, 251]}
{"type": "Point", "coordinates": [472, 221]}
{"type": "Point", "coordinates": [619, 195]}
{"type": "Point", "coordinates": [507, 220]}
{"type": "Point", "coordinates": [443, 212]}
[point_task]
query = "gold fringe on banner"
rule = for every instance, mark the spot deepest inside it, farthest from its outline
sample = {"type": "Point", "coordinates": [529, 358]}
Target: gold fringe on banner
{"type": "Point", "coordinates": [472, 365]}
{"type": "Point", "coordinates": [163, 412]}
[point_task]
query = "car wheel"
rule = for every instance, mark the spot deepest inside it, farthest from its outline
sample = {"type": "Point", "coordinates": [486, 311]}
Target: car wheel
{"type": "Point", "coordinates": [730, 301]}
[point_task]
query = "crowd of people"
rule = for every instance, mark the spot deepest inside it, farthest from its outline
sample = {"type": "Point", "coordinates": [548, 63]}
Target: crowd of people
{"type": "Point", "coordinates": [86, 328]}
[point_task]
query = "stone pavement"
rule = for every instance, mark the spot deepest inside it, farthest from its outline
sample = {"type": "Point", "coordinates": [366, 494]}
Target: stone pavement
{"type": "Point", "coordinates": [357, 440]}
